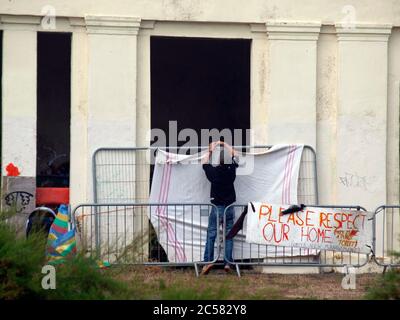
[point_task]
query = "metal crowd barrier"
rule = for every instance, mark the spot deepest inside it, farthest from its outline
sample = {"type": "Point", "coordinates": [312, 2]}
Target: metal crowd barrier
{"type": "Point", "coordinates": [389, 234]}
{"type": "Point", "coordinates": [268, 255]}
{"type": "Point", "coordinates": [123, 175]}
{"type": "Point", "coordinates": [125, 234]}
{"type": "Point", "coordinates": [121, 180]}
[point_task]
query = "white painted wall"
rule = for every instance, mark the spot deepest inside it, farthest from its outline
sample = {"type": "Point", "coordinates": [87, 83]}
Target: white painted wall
{"type": "Point", "coordinates": [112, 51]}
{"type": "Point", "coordinates": [393, 117]}
{"type": "Point", "coordinates": [292, 65]}
{"type": "Point", "coordinates": [362, 115]}
{"type": "Point", "coordinates": [393, 135]}
{"type": "Point", "coordinates": [326, 114]}
{"type": "Point", "coordinates": [79, 159]}
{"type": "Point", "coordinates": [19, 96]}
{"type": "Point", "coordinates": [326, 11]}
{"type": "Point", "coordinates": [311, 82]}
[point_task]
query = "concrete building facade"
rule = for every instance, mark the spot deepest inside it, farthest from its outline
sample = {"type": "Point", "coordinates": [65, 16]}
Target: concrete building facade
{"type": "Point", "coordinates": [323, 73]}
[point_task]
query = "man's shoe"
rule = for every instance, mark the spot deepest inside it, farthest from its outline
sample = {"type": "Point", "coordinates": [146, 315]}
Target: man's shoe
{"type": "Point", "coordinates": [206, 269]}
{"type": "Point", "coordinates": [227, 268]}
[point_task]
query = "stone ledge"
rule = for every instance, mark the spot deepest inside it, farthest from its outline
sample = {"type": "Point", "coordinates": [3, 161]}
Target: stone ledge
{"type": "Point", "coordinates": [22, 23]}
{"type": "Point", "coordinates": [303, 31]}
{"type": "Point", "coordinates": [112, 25]}
{"type": "Point", "coordinates": [363, 32]}
{"type": "Point", "coordinates": [27, 20]}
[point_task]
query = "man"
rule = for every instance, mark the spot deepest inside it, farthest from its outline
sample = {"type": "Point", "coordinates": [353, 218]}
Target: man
{"type": "Point", "coordinates": [223, 194]}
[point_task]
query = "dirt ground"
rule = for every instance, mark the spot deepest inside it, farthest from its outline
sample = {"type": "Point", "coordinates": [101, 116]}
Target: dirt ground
{"type": "Point", "coordinates": [169, 283]}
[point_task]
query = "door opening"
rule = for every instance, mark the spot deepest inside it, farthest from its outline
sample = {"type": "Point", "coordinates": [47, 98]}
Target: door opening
{"type": "Point", "coordinates": [53, 109]}
{"type": "Point", "coordinates": [202, 83]}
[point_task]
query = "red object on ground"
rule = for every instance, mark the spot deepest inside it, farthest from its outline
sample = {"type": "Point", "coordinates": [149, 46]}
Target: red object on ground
{"type": "Point", "coordinates": [12, 170]}
{"type": "Point", "coordinates": [48, 196]}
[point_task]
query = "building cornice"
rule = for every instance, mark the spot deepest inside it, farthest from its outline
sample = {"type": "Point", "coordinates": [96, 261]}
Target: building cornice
{"type": "Point", "coordinates": [303, 31]}
{"type": "Point", "coordinates": [77, 22]}
{"type": "Point", "coordinates": [147, 24]}
{"type": "Point", "coordinates": [363, 32]}
{"type": "Point", "coordinates": [258, 28]}
{"type": "Point", "coordinates": [19, 22]}
{"type": "Point", "coordinates": [112, 25]}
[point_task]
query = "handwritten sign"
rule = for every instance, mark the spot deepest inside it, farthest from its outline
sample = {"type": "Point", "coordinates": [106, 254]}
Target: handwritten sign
{"type": "Point", "coordinates": [313, 228]}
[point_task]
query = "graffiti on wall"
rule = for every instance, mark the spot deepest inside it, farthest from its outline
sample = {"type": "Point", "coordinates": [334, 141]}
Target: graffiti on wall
{"type": "Point", "coordinates": [18, 192]}
{"type": "Point", "coordinates": [18, 200]}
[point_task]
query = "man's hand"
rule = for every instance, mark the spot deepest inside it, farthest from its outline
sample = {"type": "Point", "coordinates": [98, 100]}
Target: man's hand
{"type": "Point", "coordinates": [232, 151]}
{"type": "Point", "coordinates": [211, 148]}
{"type": "Point", "coordinates": [213, 145]}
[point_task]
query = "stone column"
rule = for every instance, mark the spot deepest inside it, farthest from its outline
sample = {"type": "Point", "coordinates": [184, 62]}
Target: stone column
{"type": "Point", "coordinates": [258, 81]}
{"type": "Point", "coordinates": [112, 69]}
{"type": "Point", "coordinates": [19, 94]}
{"type": "Point", "coordinates": [112, 59]}
{"type": "Point", "coordinates": [326, 114]}
{"type": "Point", "coordinates": [19, 113]}
{"type": "Point", "coordinates": [292, 65]}
{"type": "Point", "coordinates": [79, 114]}
{"type": "Point", "coordinates": [143, 125]}
{"type": "Point", "coordinates": [362, 116]}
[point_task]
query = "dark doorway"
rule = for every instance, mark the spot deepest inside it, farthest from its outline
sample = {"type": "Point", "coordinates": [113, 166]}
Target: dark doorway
{"type": "Point", "coordinates": [201, 83]}
{"type": "Point", "coordinates": [53, 109]}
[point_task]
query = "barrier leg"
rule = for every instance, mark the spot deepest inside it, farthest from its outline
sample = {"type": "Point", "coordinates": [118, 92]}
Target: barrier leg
{"type": "Point", "coordinates": [238, 270]}
{"type": "Point", "coordinates": [384, 269]}
{"type": "Point", "coordinates": [196, 269]}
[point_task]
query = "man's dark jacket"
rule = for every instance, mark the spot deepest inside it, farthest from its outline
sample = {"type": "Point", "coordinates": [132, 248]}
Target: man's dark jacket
{"type": "Point", "coordinates": [222, 178]}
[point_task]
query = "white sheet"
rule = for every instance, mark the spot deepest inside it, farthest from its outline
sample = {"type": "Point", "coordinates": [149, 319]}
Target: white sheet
{"type": "Point", "coordinates": [270, 177]}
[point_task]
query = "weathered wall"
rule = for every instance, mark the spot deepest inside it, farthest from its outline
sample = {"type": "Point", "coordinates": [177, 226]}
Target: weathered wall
{"type": "Point", "coordinates": [337, 90]}
{"type": "Point", "coordinates": [326, 114]}
{"type": "Point", "coordinates": [393, 117]}
{"type": "Point", "coordinates": [19, 98]}
{"type": "Point", "coordinates": [326, 11]}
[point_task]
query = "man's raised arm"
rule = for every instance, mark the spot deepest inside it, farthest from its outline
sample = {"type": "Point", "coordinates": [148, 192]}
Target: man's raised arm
{"type": "Point", "coordinates": [211, 148]}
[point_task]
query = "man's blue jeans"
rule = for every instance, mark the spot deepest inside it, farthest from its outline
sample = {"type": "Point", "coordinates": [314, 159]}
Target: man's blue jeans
{"type": "Point", "coordinates": [212, 233]}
